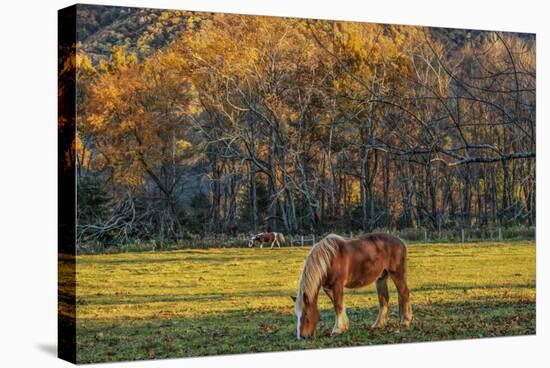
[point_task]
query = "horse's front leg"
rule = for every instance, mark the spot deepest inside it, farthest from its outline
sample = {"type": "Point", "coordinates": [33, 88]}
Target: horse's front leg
{"type": "Point", "coordinates": [383, 298]}
{"type": "Point", "coordinates": [273, 243]}
{"type": "Point", "coordinates": [336, 295]}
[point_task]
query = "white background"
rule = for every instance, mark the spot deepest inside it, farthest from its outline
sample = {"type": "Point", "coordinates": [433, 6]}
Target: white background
{"type": "Point", "coordinates": [28, 184]}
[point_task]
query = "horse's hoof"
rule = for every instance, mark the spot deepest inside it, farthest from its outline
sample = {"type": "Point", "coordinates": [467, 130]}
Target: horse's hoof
{"type": "Point", "coordinates": [338, 331]}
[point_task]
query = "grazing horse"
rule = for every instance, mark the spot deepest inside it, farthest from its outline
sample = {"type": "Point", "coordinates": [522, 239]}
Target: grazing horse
{"type": "Point", "coordinates": [336, 263]}
{"type": "Point", "coordinates": [273, 238]}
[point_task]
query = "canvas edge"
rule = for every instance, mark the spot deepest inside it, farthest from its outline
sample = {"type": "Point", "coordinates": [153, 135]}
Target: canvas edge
{"type": "Point", "coordinates": [66, 201]}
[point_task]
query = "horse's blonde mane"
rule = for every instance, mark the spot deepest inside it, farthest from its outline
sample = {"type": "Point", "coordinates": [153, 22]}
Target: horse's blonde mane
{"type": "Point", "coordinates": [315, 268]}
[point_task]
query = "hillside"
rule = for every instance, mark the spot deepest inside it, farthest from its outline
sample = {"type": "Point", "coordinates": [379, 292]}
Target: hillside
{"type": "Point", "coordinates": [143, 30]}
{"type": "Point", "coordinates": [137, 30]}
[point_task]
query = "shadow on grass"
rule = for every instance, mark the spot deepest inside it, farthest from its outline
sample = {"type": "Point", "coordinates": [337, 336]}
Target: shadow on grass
{"type": "Point", "coordinates": [198, 297]}
{"type": "Point", "coordinates": [245, 331]}
{"type": "Point", "coordinates": [177, 257]}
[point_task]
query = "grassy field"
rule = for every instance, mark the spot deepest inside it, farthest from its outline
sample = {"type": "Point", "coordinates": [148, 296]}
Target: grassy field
{"type": "Point", "coordinates": [223, 301]}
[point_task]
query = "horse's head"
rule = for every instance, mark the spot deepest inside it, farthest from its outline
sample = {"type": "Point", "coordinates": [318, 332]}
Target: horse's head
{"type": "Point", "coordinates": [254, 239]}
{"type": "Point", "coordinates": [315, 270]}
{"type": "Point", "coordinates": [307, 316]}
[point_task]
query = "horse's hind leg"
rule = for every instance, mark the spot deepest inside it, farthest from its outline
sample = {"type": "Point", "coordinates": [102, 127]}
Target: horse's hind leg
{"type": "Point", "coordinates": [336, 295]}
{"type": "Point", "coordinates": [383, 299]}
{"type": "Point", "coordinates": [405, 309]}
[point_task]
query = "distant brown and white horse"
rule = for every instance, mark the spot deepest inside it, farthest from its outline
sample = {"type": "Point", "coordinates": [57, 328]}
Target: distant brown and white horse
{"type": "Point", "coordinates": [273, 238]}
{"type": "Point", "coordinates": [336, 263]}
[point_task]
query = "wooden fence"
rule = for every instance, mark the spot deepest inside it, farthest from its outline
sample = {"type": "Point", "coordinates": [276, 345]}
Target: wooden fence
{"type": "Point", "coordinates": [409, 235]}
{"type": "Point", "coordinates": [307, 240]}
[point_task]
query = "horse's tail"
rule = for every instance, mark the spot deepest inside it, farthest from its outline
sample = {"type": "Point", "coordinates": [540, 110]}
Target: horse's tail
{"type": "Point", "coordinates": [281, 238]}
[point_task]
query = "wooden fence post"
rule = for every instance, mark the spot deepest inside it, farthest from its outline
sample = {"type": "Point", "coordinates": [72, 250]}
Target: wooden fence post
{"type": "Point", "coordinates": [500, 234]}
{"type": "Point", "coordinates": [313, 239]}
{"type": "Point", "coordinates": [302, 240]}
{"type": "Point", "coordinates": [462, 234]}
{"type": "Point", "coordinates": [425, 236]}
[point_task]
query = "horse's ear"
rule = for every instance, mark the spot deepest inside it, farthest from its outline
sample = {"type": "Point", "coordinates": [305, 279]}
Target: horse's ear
{"type": "Point", "coordinates": [293, 298]}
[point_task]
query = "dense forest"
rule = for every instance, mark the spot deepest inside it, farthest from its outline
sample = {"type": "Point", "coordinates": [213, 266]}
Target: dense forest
{"type": "Point", "coordinates": [198, 123]}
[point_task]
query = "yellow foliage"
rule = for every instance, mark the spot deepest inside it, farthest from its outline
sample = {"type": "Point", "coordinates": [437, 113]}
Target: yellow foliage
{"type": "Point", "coordinates": [183, 146]}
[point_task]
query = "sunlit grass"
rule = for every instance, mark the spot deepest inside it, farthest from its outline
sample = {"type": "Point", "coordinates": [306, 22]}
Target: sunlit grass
{"type": "Point", "coordinates": [216, 301]}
